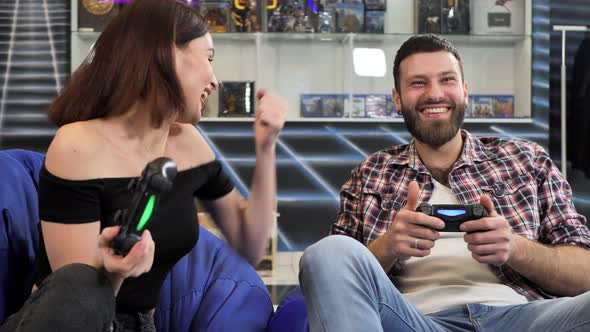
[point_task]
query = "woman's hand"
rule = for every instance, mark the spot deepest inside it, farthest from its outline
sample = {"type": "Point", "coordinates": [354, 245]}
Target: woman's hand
{"type": "Point", "coordinates": [138, 261]}
{"type": "Point", "coordinates": [270, 118]}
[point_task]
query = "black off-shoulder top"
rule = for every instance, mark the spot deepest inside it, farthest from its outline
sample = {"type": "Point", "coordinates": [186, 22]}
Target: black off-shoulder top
{"type": "Point", "coordinates": [173, 226]}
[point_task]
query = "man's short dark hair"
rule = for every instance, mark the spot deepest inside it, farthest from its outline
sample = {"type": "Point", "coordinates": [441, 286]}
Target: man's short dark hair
{"type": "Point", "coordinates": [426, 43]}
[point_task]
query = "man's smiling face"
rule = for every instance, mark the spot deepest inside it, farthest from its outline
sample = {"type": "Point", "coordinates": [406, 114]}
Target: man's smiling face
{"type": "Point", "coordinates": [432, 96]}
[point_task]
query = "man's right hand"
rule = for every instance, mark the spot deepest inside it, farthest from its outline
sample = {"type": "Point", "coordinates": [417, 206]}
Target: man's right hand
{"type": "Point", "coordinates": [138, 261]}
{"type": "Point", "coordinates": [411, 233]}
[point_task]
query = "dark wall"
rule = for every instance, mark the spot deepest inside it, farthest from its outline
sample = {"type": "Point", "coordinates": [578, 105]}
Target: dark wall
{"type": "Point", "coordinates": [563, 12]}
{"type": "Point", "coordinates": [569, 12]}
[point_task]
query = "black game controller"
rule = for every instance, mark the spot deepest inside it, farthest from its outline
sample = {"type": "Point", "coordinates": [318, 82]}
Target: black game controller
{"type": "Point", "coordinates": [155, 179]}
{"type": "Point", "coordinates": [453, 215]}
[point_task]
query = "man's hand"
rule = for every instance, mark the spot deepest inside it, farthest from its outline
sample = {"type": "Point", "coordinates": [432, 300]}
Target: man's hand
{"type": "Point", "coordinates": [138, 261]}
{"type": "Point", "coordinates": [412, 234]}
{"type": "Point", "coordinates": [489, 239]}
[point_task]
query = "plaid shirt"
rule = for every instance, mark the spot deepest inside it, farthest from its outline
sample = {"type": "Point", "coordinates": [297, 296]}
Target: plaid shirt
{"type": "Point", "coordinates": [522, 181]}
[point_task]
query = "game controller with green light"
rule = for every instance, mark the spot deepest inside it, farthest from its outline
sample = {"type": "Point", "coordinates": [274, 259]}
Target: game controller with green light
{"type": "Point", "coordinates": [156, 179]}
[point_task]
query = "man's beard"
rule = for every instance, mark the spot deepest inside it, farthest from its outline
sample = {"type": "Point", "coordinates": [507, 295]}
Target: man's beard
{"type": "Point", "coordinates": [434, 133]}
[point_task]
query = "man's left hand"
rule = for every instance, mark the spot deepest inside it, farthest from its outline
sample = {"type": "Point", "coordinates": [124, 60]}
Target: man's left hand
{"type": "Point", "coordinates": [489, 239]}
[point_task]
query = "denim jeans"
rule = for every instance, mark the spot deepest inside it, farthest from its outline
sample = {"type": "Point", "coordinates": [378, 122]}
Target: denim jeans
{"type": "Point", "coordinates": [346, 289]}
{"type": "Point", "coordinates": [134, 322]}
{"type": "Point", "coordinates": [76, 297]}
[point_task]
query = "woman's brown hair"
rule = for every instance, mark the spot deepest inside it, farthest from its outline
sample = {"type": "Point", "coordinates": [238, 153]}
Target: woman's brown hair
{"type": "Point", "coordinates": [132, 60]}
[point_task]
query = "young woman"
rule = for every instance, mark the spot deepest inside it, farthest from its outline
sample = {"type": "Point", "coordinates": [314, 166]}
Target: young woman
{"type": "Point", "coordinates": [136, 98]}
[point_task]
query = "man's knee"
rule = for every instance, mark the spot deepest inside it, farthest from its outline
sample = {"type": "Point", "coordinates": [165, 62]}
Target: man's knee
{"type": "Point", "coordinates": [76, 297]}
{"type": "Point", "coordinates": [584, 300]}
{"type": "Point", "coordinates": [334, 249]}
{"type": "Point", "coordinates": [81, 281]}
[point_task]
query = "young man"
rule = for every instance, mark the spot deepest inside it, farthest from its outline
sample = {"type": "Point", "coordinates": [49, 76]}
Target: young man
{"type": "Point", "coordinates": [500, 273]}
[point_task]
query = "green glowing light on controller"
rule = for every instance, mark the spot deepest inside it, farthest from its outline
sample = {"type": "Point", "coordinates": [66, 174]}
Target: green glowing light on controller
{"type": "Point", "coordinates": [147, 213]}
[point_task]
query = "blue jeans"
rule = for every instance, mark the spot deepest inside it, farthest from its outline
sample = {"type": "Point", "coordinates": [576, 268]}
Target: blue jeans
{"type": "Point", "coordinates": [346, 289]}
{"type": "Point", "coordinates": [76, 297]}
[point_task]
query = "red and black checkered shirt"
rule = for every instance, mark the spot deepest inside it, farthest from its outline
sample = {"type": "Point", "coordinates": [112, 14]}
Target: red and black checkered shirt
{"type": "Point", "coordinates": [522, 181]}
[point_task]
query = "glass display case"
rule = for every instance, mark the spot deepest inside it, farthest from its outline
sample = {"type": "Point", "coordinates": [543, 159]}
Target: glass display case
{"type": "Point", "coordinates": [319, 72]}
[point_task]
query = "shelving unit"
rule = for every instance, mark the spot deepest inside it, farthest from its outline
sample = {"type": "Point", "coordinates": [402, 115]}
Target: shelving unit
{"type": "Point", "coordinates": [292, 64]}
{"type": "Point", "coordinates": [371, 120]}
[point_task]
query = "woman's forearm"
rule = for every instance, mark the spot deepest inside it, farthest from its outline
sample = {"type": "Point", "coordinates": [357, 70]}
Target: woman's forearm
{"type": "Point", "coordinates": [259, 215]}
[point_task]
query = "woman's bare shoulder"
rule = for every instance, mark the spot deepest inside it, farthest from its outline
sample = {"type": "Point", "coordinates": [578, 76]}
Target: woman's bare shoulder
{"type": "Point", "coordinates": [74, 152]}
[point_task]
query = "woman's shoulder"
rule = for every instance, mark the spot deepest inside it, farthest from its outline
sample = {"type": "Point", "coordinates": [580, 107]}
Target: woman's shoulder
{"type": "Point", "coordinates": [190, 148]}
{"type": "Point", "coordinates": [74, 152]}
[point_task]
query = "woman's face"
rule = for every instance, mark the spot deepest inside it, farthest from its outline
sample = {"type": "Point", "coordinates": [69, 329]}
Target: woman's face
{"type": "Point", "coordinates": [194, 70]}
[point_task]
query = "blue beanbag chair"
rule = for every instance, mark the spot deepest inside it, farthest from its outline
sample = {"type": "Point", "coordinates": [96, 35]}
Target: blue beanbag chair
{"type": "Point", "coordinates": [213, 289]}
{"type": "Point", "coordinates": [291, 314]}
{"type": "Point", "coordinates": [19, 217]}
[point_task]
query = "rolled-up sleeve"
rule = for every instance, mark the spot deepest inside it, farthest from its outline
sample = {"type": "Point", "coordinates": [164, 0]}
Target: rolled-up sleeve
{"type": "Point", "coordinates": [561, 224]}
{"type": "Point", "coordinates": [349, 220]}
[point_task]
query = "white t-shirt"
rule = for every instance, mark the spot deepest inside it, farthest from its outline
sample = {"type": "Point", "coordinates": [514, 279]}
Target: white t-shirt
{"type": "Point", "coordinates": [449, 276]}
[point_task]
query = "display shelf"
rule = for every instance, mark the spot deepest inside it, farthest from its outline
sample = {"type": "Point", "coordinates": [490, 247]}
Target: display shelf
{"type": "Point", "coordinates": [488, 40]}
{"type": "Point", "coordinates": [371, 120]}
{"type": "Point", "coordinates": [88, 35]}
{"type": "Point", "coordinates": [293, 64]}
{"type": "Point", "coordinates": [479, 39]}
{"type": "Point", "coordinates": [471, 39]}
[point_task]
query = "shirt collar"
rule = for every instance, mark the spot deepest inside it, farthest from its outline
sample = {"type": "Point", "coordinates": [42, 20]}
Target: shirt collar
{"type": "Point", "coordinates": [473, 151]}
